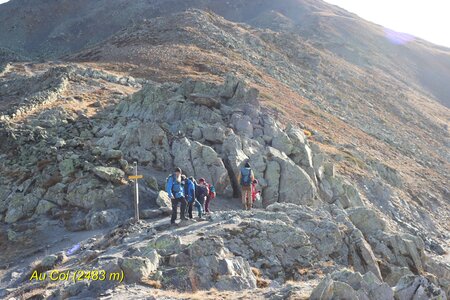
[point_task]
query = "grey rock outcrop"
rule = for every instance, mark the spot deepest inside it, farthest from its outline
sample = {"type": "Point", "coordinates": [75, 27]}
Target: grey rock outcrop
{"type": "Point", "coordinates": [417, 287]}
{"type": "Point", "coordinates": [348, 285]}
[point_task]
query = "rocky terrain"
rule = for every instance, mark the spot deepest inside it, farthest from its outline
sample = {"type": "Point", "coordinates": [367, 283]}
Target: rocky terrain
{"type": "Point", "coordinates": [351, 153]}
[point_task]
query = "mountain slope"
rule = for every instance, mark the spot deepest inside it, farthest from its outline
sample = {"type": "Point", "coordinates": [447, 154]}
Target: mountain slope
{"type": "Point", "coordinates": [359, 208]}
{"type": "Point", "coordinates": [389, 120]}
{"type": "Point", "coordinates": [74, 25]}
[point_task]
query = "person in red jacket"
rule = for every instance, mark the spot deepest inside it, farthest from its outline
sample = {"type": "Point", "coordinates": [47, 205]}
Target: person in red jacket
{"type": "Point", "coordinates": [255, 192]}
{"type": "Point", "coordinates": [211, 195]}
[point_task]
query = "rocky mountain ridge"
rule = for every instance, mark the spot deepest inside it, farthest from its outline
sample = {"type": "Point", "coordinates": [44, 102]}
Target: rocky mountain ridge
{"type": "Point", "coordinates": [357, 210]}
{"type": "Point", "coordinates": [314, 221]}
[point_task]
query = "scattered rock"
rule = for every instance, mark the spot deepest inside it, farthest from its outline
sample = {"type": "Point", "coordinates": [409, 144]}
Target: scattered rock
{"type": "Point", "coordinates": [417, 287]}
{"type": "Point", "coordinates": [137, 268]}
{"type": "Point", "coordinates": [366, 220]}
{"type": "Point", "coordinates": [110, 174]}
{"type": "Point", "coordinates": [163, 200]}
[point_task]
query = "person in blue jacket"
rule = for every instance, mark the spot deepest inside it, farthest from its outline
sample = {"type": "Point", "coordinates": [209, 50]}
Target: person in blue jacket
{"type": "Point", "coordinates": [189, 192]}
{"type": "Point", "coordinates": [175, 189]}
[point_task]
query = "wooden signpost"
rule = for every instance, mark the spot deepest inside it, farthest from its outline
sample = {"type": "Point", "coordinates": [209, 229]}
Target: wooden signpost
{"type": "Point", "coordinates": [136, 177]}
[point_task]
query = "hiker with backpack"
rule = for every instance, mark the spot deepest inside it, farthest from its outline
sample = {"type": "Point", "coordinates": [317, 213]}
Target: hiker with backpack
{"type": "Point", "coordinates": [245, 179]}
{"type": "Point", "coordinates": [191, 199]}
{"type": "Point", "coordinates": [211, 195]}
{"type": "Point", "coordinates": [202, 192]}
{"type": "Point", "coordinates": [175, 189]}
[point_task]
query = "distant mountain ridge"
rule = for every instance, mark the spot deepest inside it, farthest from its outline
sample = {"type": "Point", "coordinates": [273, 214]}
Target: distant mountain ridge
{"type": "Point", "coordinates": [49, 29]}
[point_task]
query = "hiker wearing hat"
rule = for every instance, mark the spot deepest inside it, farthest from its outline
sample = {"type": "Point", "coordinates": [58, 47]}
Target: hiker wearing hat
{"type": "Point", "coordinates": [175, 189]}
{"type": "Point", "coordinates": [245, 179]}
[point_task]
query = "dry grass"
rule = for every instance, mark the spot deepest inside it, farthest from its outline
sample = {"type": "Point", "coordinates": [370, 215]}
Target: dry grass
{"type": "Point", "coordinates": [56, 178]}
{"type": "Point", "coordinates": [213, 294]}
{"type": "Point", "coordinates": [156, 284]}
{"type": "Point", "coordinates": [260, 282]}
{"type": "Point", "coordinates": [42, 164]}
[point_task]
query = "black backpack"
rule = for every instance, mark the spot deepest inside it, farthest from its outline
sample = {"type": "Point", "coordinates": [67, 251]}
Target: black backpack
{"type": "Point", "coordinates": [200, 191]}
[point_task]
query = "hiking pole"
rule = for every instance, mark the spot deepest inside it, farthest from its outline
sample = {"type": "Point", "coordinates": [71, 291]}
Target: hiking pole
{"type": "Point", "coordinates": [136, 177]}
{"type": "Point", "coordinates": [136, 194]}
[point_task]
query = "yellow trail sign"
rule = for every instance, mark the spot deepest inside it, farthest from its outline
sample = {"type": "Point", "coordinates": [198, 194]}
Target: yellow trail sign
{"type": "Point", "coordinates": [136, 177]}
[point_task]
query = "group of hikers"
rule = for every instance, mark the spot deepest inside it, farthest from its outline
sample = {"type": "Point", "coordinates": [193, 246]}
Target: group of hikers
{"type": "Point", "coordinates": [188, 193]}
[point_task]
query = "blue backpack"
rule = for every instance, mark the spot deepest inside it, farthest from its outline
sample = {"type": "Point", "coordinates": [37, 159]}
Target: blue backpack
{"type": "Point", "coordinates": [246, 176]}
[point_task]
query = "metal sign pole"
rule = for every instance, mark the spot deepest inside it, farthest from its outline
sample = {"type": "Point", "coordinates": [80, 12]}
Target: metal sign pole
{"type": "Point", "coordinates": [136, 194]}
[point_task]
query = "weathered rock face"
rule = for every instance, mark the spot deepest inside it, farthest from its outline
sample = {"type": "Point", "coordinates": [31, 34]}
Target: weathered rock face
{"type": "Point", "coordinates": [400, 249]}
{"type": "Point", "coordinates": [417, 287]}
{"type": "Point", "coordinates": [295, 185]}
{"type": "Point", "coordinates": [138, 268]}
{"type": "Point", "coordinates": [208, 130]}
{"type": "Point", "coordinates": [89, 193]}
{"type": "Point", "coordinates": [143, 142]}
{"type": "Point", "coordinates": [199, 160]}
{"type": "Point", "coordinates": [110, 174]}
{"type": "Point", "coordinates": [349, 285]}
{"type": "Point", "coordinates": [238, 132]}
{"type": "Point", "coordinates": [311, 216]}
{"type": "Point", "coordinates": [214, 266]}
{"type": "Point", "coordinates": [366, 220]}
{"type": "Point", "coordinates": [20, 206]}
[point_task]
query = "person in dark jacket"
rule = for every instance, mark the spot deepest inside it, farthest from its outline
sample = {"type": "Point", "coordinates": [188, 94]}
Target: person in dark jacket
{"type": "Point", "coordinates": [175, 189]}
{"type": "Point", "coordinates": [202, 192]}
{"type": "Point", "coordinates": [189, 191]}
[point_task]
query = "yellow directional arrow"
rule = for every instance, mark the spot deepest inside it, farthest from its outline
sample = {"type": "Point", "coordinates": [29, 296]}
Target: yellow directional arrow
{"type": "Point", "coordinates": [136, 177]}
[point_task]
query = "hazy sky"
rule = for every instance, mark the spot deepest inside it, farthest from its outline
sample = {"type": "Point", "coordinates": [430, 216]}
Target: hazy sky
{"type": "Point", "coordinates": [426, 19]}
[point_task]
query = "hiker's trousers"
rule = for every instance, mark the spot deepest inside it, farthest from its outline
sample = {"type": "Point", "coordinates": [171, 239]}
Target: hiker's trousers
{"type": "Point", "coordinates": [246, 197]}
{"type": "Point", "coordinates": [197, 205]}
{"type": "Point", "coordinates": [175, 203]}
{"type": "Point", "coordinates": [208, 201]}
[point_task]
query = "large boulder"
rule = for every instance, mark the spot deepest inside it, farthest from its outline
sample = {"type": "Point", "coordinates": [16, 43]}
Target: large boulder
{"type": "Point", "coordinates": [282, 142]}
{"type": "Point", "coordinates": [90, 193]}
{"type": "Point", "coordinates": [243, 125]}
{"type": "Point", "coordinates": [21, 206]}
{"type": "Point", "coordinates": [167, 244]}
{"type": "Point", "coordinates": [229, 86]}
{"type": "Point", "coordinates": [272, 176]}
{"type": "Point", "coordinates": [213, 133]}
{"type": "Point", "coordinates": [348, 285]}
{"type": "Point", "coordinates": [44, 207]}
{"type": "Point", "coordinates": [215, 267]}
{"type": "Point", "coordinates": [403, 250]}
{"type": "Point", "coordinates": [163, 200]}
{"type": "Point", "coordinates": [295, 185]}
{"type": "Point", "coordinates": [102, 219]}
{"type": "Point", "coordinates": [362, 256]}
{"type": "Point", "coordinates": [111, 174]}
{"type": "Point", "coordinates": [137, 268]}
{"type": "Point", "coordinates": [145, 142]}
{"type": "Point", "coordinates": [366, 220]}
